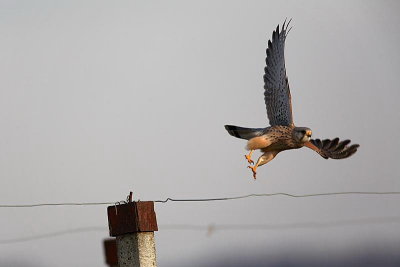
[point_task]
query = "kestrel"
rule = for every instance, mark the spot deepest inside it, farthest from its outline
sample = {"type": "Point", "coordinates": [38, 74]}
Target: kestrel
{"type": "Point", "coordinates": [283, 134]}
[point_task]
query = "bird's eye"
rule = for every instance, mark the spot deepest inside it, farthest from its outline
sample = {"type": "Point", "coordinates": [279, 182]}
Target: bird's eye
{"type": "Point", "coordinates": [303, 132]}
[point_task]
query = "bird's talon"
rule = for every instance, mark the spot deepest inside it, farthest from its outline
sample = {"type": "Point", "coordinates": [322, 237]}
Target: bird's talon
{"type": "Point", "coordinates": [254, 172]}
{"type": "Point", "coordinates": [249, 160]}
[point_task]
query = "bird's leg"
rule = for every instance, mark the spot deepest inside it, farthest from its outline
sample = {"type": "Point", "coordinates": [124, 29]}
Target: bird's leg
{"type": "Point", "coordinates": [264, 159]}
{"type": "Point", "coordinates": [248, 157]}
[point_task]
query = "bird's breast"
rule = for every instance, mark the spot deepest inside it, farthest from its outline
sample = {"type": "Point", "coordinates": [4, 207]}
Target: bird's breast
{"type": "Point", "coordinates": [282, 142]}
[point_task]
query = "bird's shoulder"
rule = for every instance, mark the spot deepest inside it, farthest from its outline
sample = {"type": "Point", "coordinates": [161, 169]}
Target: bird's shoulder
{"type": "Point", "coordinates": [279, 129]}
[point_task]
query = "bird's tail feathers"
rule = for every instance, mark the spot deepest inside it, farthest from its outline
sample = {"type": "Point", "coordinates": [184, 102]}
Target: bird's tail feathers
{"type": "Point", "coordinates": [244, 133]}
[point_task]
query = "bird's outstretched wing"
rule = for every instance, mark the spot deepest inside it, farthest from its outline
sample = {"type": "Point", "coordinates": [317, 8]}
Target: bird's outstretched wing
{"type": "Point", "coordinates": [333, 149]}
{"type": "Point", "coordinates": [277, 93]}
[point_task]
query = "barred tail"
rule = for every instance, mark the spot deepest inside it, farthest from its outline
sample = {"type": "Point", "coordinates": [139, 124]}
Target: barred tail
{"type": "Point", "coordinates": [244, 133]}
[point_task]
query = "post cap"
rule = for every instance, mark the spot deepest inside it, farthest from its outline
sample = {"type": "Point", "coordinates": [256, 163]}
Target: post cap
{"type": "Point", "coordinates": [110, 251]}
{"type": "Point", "coordinates": [132, 217]}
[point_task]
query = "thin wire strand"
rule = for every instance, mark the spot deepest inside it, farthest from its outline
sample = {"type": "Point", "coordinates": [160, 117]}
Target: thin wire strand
{"type": "Point", "coordinates": [284, 226]}
{"type": "Point", "coordinates": [57, 204]}
{"type": "Point", "coordinates": [278, 194]}
{"type": "Point", "coordinates": [211, 228]}
{"type": "Point", "coordinates": [53, 234]}
{"type": "Point", "coordinates": [202, 199]}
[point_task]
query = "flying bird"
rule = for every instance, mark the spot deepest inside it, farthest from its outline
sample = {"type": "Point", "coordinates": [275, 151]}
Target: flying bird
{"type": "Point", "coordinates": [283, 134]}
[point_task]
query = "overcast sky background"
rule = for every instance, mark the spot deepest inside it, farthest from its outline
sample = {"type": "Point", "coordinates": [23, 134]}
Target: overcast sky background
{"type": "Point", "coordinates": [101, 97]}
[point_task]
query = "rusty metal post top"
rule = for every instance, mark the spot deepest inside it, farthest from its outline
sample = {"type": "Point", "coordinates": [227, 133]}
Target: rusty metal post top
{"type": "Point", "coordinates": [132, 217]}
{"type": "Point", "coordinates": [110, 249]}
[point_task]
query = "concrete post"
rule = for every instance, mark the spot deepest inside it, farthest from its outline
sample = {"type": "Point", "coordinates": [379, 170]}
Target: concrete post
{"type": "Point", "coordinates": [133, 224]}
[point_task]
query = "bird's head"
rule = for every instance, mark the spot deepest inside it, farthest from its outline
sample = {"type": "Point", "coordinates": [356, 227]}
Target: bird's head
{"type": "Point", "coordinates": [302, 134]}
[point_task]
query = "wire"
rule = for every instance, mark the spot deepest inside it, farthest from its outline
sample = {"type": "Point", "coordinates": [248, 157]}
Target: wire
{"type": "Point", "coordinates": [201, 199]}
{"type": "Point", "coordinates": [52, 234]}
{"type": "Point", "coordinates": [57, 204]}
{"type": "Point", "coordinates": [211, 228]}
{"type": "Point", "coordinates": [278, 194]}
{"type": "Point", "coordinates": [283, 226]}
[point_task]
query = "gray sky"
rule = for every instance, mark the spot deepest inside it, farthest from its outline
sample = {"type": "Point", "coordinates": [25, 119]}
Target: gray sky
{"type": "Point", "coordinates": [101, 97]}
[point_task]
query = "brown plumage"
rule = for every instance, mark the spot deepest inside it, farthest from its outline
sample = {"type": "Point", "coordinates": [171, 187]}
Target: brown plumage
{"type": "Point", "coordinates": [283, 134]}
{"type": "Point", "coordinates": [275, 140]}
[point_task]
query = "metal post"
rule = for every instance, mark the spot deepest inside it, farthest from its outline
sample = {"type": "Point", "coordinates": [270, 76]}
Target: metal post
{"type": "Point", "coordinates": [110, 252]}
{"type": "Point", "coordinates": [133, 224]}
